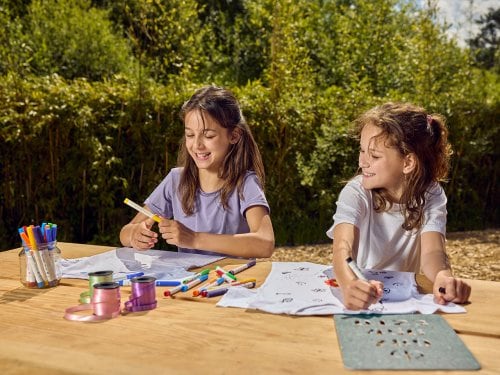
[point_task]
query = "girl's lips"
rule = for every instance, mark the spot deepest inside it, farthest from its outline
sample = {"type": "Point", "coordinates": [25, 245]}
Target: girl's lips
{"type": "Point", "coordinates": [202, 156]}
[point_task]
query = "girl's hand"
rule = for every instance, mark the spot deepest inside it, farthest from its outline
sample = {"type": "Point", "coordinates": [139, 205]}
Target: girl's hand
{"type": "Point", "coordinates": [359, 294]}
{"type": "Point", "coordinates": [177, 234]}
{"type": "Point", "coordinates": [450, 289]}
{"type": "Point", "coordinates": [141, 235]}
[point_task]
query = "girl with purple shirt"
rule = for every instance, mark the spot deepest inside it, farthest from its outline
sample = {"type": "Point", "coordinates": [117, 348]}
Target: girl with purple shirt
{"type": "Point", "coordinates": [214, 201]}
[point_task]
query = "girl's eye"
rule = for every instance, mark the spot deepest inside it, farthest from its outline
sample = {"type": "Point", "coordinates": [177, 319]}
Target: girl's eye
{"type": "Point", "coordinates": [189, 135]}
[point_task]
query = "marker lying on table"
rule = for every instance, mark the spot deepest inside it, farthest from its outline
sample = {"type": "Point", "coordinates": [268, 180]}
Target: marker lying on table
{"type": "Point", "coordinates": [243, 267]}
{"type": "Point", "coordinates": [127, 282]}
{"type": "Point", "coordinates": [185, 287]}
{"type": "Point", "coordinates": [211, 284]}
{"type": "Point", "coordinates": [194, 282]}
{"type": "Point", "coordinates": [221, 291]}
{"type": "Point", "coordinates": [142, 210]}
{"type": "Point", "coordinates": [196, 275]}
{"type": "Point", "coordinates": [226, 275]}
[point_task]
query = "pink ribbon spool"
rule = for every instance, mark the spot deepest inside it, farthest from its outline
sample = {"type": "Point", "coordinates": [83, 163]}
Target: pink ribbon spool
{"type": "Point", "coordinates": [105, 304]}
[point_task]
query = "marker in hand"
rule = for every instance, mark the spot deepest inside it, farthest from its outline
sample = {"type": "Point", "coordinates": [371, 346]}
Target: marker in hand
{"type": "Point", "coordinates": [355, 268]}
{"type": "Point", "coordinates": [142, 210]}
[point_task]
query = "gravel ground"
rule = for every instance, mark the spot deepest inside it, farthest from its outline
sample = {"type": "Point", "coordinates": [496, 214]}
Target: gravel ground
{"type": "Point", "coordinates": [473, 255]}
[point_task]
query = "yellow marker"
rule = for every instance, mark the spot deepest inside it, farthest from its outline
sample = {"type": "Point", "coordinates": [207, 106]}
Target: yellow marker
{"type": "Point", "coordinates": [142, 210]}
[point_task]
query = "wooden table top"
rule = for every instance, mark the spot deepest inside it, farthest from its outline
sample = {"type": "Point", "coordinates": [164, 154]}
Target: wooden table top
{"type": "Point", "coordinates": [186, 335]}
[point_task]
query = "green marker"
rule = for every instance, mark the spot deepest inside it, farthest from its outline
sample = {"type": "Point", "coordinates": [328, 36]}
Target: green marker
{"type": "Point", "coordinates": [191, 278]}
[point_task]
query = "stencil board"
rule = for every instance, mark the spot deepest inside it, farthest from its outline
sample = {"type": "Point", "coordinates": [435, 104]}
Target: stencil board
{"type": "Point", "coordinates": [401, 342]}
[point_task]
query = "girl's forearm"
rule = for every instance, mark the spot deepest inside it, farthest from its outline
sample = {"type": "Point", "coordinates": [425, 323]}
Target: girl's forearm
{"type": "Point", "coordinates": [341, 252]}
{"type": "Point", "coordinates": [126, 234]}
{"type": "Point", "coordinates": [434, 262]}
{"type": "Point", "coordinates": [247, 245]}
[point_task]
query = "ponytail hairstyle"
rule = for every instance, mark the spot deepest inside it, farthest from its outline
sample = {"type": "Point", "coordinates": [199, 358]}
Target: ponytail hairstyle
{"type": "Point", "coordinates": [222, 106]}
{"type": "Point", "coordinates": [411, 130]}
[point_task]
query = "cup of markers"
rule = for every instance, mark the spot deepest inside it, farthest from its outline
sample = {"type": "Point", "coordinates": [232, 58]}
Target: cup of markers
{"type": "Point", "coordinates": [39, 259]}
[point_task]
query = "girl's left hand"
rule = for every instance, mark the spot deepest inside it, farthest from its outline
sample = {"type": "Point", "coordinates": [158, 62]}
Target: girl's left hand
{"type": "Point", "coordinates": [177, 234]}
{"type": "Point", "coordinates": [450, 289]}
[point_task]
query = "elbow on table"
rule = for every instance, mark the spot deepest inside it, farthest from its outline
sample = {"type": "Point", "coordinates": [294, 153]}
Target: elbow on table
{"type": "Point", "coordinates": [266, 249]}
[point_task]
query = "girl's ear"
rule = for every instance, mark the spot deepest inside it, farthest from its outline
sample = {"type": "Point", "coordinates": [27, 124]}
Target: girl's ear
{"type": "Point", "coordinates": [410, 163]}
{"type": "Point", "coordinates": [235, 136]}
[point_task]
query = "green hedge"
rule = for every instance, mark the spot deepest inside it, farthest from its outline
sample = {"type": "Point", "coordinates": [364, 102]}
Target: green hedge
{"type": "Point", "coordinates": [73, 150]}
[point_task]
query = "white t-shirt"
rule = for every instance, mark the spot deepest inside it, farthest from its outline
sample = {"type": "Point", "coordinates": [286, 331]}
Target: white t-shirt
{"type": "Point", "coordinates": [383, 243]}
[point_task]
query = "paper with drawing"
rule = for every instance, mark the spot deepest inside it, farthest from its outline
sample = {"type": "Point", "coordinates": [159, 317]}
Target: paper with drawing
{"type": "Point", "coordinates": [161, 264]}
{"type": "Point", "coordinates": [299, 288]}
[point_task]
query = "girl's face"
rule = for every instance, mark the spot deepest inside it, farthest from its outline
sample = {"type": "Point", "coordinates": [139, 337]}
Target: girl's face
{"type": "Point", "coordinates": [382, 166]}
{"type": "Point", "coordinates": [206, 141]}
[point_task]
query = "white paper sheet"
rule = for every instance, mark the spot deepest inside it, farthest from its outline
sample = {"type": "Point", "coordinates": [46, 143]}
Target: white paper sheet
{"type": "Point", "coordinates": [161, 264]}
{"type": "Point", "coordinates": [299, 288]}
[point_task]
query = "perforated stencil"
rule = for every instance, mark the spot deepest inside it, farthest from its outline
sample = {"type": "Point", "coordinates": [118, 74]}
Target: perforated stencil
{"type": "Point", "coordinates": [401, 342]}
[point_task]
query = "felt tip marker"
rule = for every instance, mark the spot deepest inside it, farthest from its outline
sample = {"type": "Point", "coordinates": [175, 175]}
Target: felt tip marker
{"type": "Point", "coordinates": [221, 291]}
{"type": "Point", "coordinates": [194, 282]}
{"type": "Point", "coordinates": [171, 292]}
{"type": "Point", "coordinates": [132, 275]}
{"type": "Point", "coordinates": [226, 275]}
{"type": "Point", "coordinates": [243, 267]}
{"type": "Point", "coordinates": [196, 275]}
{"type": "Point", "coordinates": [142, 210]}
{"type": "Point", "coordinates": [167, 283]}
{"type": "Point", "coordinates": [354, 267]}
{"type": "Point", "coordinates": [212, 283]}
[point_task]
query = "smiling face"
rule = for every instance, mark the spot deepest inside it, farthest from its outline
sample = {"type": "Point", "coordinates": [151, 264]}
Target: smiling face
{"type": "Point", "coordinates": [206, 141]}
{"type": "Point", "coordinates": [382, 166]}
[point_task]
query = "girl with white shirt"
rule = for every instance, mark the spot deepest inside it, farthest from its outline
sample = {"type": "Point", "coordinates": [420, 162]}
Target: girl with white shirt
{"type": "Point", "coordinates": [392, 215]}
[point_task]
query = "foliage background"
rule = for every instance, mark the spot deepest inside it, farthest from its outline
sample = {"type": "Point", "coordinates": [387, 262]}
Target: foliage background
{"type": "Point", "coordinates": [90, 93]}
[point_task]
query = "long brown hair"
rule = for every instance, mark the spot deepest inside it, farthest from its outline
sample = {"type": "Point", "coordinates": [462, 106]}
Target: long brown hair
{"type": "Point", "coordinates": [221, 105]}
{"type": "Point", "coordinates": [409, 129]}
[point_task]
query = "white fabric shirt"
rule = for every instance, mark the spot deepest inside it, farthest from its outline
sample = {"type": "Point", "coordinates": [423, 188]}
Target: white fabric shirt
{"type": "Point", "coordinates": [383, 243]}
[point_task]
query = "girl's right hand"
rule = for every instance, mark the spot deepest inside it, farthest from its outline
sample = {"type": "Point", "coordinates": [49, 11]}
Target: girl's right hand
{"type": "Point", "coordinates": [359, 294]}
{"type": "Point", "coordinates": [141, 235]}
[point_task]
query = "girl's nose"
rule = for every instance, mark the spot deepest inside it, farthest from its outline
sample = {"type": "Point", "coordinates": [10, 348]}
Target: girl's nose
{"type": "Point", "coordinates": [362, 162]}
{"type": "Point", "coordinates": [198, 141]}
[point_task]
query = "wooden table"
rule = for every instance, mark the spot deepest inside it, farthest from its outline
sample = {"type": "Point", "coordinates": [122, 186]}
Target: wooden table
{"type": "Point", "coordinates": [186, 335]}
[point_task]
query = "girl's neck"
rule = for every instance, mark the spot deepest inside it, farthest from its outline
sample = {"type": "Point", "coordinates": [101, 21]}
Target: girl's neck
{"type": "Point", "coordinates": [209, 181]}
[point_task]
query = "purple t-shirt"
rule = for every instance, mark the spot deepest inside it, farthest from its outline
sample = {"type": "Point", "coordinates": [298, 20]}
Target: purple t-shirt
{"type": "Point", "coordinates": [209, 215]}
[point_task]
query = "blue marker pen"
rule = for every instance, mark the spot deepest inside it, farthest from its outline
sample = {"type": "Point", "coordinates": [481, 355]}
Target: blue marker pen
{"type": "Point", "coordinates": [167, 283]}
{"type": "Point", "coordinates": [130, 276]}
{"type": "Point", "coordinates": [124, 282]}
{"type": "Point", "coordinates": [197, 281]}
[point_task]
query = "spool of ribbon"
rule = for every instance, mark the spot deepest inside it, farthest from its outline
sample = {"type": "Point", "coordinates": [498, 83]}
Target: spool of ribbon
{"type": "Point", "coordinates": [143, 294]}
{"type": "Point", "coordinates": [105, 304]}
{"type": "Point", "coordinates": [94, 278]}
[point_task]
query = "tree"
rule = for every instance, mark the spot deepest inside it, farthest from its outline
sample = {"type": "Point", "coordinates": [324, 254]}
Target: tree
{"type": "Point", "coordinates": [74, 40]}
{"type": "Point", "coordinates": [486, 45]}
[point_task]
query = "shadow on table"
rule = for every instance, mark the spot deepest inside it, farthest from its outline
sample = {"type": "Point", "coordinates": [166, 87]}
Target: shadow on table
{"type": "Point", "coordinates": [20, 294]}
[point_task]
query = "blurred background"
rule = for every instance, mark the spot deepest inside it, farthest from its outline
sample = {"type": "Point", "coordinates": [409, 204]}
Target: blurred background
{"type": "Point", "coordinates": [90, 93]}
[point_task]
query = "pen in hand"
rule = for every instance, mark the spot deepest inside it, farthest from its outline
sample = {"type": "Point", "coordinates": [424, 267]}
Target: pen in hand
{"type": "Point", "coordinates": [142, 210]}
{"type": "Point", "coordinates": [355, 268]}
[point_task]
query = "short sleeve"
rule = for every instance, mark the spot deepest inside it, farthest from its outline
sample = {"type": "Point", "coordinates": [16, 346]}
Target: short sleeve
{"type": "Point", "coordinates": [160, 200]}
{"type": "Point", "coordinates": [352, 205]}
{"type": "Point", "coordinates": [253, 195]}
{"type": "Point", "coordinates": [435, 210]}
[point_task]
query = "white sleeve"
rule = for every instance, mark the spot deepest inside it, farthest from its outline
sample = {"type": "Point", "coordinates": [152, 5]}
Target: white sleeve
{"type": "Point", "coordinates": [352, 206]}
{"type": "Point", "coordinates": [435, 210]}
